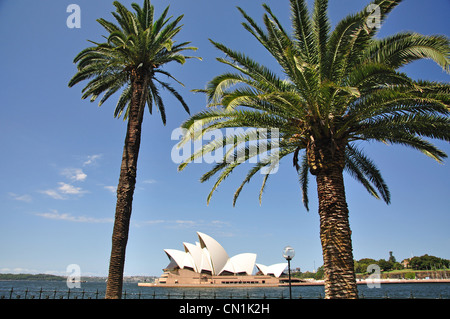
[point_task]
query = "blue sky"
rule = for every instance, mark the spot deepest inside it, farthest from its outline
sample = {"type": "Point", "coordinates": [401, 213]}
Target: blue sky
{"type": "Point", "coordinates": [61, 155]}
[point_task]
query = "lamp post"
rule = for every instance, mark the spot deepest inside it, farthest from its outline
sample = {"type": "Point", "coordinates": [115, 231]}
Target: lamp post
{"type": "Point", "coordinates": [288, 254]}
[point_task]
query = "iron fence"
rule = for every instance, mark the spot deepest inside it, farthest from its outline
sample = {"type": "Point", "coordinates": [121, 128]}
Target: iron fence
{"type": "Point", "coordinates": [83, 294]}
{"type": "Point", "coordinates": [41, 293]}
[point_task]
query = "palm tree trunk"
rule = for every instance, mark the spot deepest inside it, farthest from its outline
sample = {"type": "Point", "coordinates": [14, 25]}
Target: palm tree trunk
{"type": "Point", "coordinates": [125, 190]}
{"type": "Point", "coordinates": [335, 235]}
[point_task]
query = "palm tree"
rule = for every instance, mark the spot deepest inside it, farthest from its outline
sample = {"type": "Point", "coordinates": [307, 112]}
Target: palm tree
{"type": "Point", "coordinates": [132, 57]}
{"type": "Point", "coordinates": [339, 88]}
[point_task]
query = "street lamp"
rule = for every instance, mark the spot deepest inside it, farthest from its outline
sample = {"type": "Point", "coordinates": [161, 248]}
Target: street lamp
{"type": "Point", "coordinates": [288, 254]}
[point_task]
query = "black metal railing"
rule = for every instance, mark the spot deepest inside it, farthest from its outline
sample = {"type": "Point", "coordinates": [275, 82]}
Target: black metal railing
{"type": "Point", "coordinates": [42, 293]}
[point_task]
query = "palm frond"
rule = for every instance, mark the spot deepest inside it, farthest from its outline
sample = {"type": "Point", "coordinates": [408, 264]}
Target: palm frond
{"type": "Point", "coordinates": [303, 31]}
{"type": "Point", "coordinates": [405, 47]}
{"type": "Point", "coordinates": [303, 173]}
{"type": "Point", "coordinates": [364, 170]}
{"type": "Point", "coordinates": [321, 29]}
{"type": "Point", "coordinates": [350, 36]}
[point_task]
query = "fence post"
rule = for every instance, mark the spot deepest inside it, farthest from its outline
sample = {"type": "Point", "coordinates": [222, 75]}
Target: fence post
{"type": "Point", "coordinates": [68, 294]}
{"type": "Point", "coordinates": [10, 294]}
{"type": "Point", "coordinates": [40, 293]}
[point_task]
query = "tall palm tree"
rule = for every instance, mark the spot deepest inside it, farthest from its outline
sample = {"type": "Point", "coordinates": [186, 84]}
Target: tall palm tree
{"type": "Point", "coordinates": [339, 88]}
{"type": "Point", "coordinates": [130, 60]}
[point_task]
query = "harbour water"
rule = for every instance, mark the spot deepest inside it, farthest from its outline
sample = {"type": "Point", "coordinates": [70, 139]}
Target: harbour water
{"type": "Point", "coordinates": [96, 290]}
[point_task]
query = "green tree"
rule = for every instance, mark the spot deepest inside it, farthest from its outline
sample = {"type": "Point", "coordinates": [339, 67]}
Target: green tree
{"type": "Point", "coordinates": [385, 265]}
{"type": "Point", "coordinates": [362, 264]}
{"type": "Point", "coordinates": [319, 273]}
{"type": "Point", "coordinates": [392, 258]}
{"type": "Point", "coordinates": [135, 51]}
{"type": "Point", "coordinates": [397, 266]}
{"type": "Point", "coordinates": [427, 262]}
{"type": "Point", "coordinates": [339, 88]}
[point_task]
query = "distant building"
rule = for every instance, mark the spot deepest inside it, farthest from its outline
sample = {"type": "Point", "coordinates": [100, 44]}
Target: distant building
{"type": "Point", "coordinates": [207, 263]}
{"type": "Point", "coordinates": [405, 262]}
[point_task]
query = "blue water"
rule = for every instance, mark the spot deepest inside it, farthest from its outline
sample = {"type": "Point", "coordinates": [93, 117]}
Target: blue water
{"type": "Point", "coordinates": [93, 290]}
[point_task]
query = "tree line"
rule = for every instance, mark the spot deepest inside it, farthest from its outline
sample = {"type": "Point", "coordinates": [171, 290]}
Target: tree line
{"type": "Point", "coordinates": [425, 262]}
{"type": "Point", "coordinates": [31, 277]}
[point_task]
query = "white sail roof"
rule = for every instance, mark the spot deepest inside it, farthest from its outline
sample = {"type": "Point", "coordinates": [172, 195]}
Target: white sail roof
{"type": "Point", "coordinates": [180, 258]}
{"type": "Point", "coordinates": [217, 253]}
{"type": "Point", "coordinates": [275, 269]}
{"type": "Point", "coordinates": [196, 254]}
{"type": "Point", "coordinates": [208, 255]}
{"type": "Point", "coordinates": [242, 263]}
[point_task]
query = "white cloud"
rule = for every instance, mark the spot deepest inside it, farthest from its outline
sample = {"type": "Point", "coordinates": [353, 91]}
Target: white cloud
{"type": "Point", "coordinates": [92, 159]}
{"type": "Point", "coordinates": [22, 198]}
{"type": "Point", "coordinates": [70, 189]}
{"type": "Point", "coordinates": [53, 194]}
{"type": "Point", "coordinates": [187, 223]}
{"type": "Point", "coordinates": [54, 214]}
{"type": "Point", "coordinates": [112, 189]}
{"type": "Point", "coordinates": [62, 190]}
{"type": "Point", "coordinates": [74, 174]}
{"type": "Point", "coordinates": [149, 181]}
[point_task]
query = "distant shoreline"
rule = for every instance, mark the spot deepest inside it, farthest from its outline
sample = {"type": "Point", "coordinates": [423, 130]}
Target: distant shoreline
{"type": "Point", "coordinates": [46, 277]}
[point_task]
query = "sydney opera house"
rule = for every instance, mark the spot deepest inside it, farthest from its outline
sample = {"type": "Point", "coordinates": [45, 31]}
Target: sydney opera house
{"type": "Point", "coordinates": [207, 263]}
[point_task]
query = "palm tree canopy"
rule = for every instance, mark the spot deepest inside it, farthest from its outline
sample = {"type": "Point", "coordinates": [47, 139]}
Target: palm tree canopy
{"type": "Point", "coordinates": [137, 42]}
{"type": "Point", "coordinates": [339, 87]}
